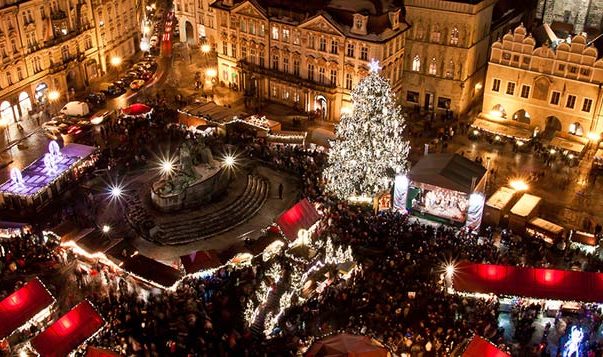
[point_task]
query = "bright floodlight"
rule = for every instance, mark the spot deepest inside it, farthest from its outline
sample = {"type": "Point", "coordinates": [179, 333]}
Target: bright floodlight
{"type": "Point", "coordinates": [229, 161]}
{"type": "Point", "coordinates": [211, 72]}
{"type": "Point", "coordinates": [594, 136]}
{"type": "Point", "coordinates": [106, 228]}
{"type": "Point", "coordinates": [53, 95]}
{"type": "Point", "coordinates": [115, 61]}
{"type": "Point", "coordinates": [167, 167]}
{"type": "Point", "coordinates": [116, 192]}
{"type": "Point", "coordinates": [205, 48]}
{"type": "Point", "coordinates": [449, 270]}
{"type": "Point", "coordinates": [518, 185]}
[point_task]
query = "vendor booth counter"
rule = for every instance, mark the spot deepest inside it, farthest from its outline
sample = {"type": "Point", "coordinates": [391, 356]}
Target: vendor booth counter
{"type": "Point", "coordinates": [496, 211]}
{"type": "Point", "coordinates": [523, 211]}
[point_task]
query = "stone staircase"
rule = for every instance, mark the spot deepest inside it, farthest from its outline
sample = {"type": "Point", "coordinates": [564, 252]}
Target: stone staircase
{"type": "Point", "coordinates": [204, 225]}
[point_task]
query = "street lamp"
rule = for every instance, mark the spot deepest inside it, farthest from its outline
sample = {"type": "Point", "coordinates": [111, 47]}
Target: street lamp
{"type": "Point", "coordinates": [205, 48]}
{"type": "Point", "coordinates": [518, 185]}
{"type": "Point", "coordinates": [229, 161]}
{"type": "Point", "coordinates": [167, 167]}
{"type": "Point", "coordinates": [144, 45]}
{"type": "Point", "coordinates": [211, 72]}
{"type": "Point", "coordinates": [54, 95]}
{"type": "Point", "coordinates": [115, 61]}
{"type": "Point", "coordinates": [106, 228]}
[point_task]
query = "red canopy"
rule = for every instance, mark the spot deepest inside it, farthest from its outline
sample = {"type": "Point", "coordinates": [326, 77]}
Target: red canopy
{"type": "Point", "coordinates": [200, 260]}
{"type": "Point", "coordinates": [529, 282]}
{"type": "Point", "coordinates": [22, 305]}
{"type": "Point", "coordinates": [301, 216]}
{"type": "Point", "coordinates": [137, 109]}
{"type": "Point", "coordinates": [344, 345]}
{"type": "Point", "coordinates": [478, 347]}
{"type": "Point", "coordinates": [68, 332]}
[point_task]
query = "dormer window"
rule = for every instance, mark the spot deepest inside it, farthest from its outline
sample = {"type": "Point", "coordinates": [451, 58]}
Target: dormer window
{"type": "Point", "coordinates": [394, 19]}
{"type": "Point", "coordinates": [359, 25]}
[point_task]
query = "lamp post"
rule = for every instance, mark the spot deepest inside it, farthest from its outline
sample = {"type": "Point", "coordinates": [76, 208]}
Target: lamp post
{"type": "Point", "coordinates": [116, 62]}
{"type": "Point", "coordinates": [53, 97]}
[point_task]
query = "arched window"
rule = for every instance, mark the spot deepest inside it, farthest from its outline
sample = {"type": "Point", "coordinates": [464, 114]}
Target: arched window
{"type": "Point", "coordinates": [435, 34]}
{"type": "Point", "coordinates": [6, 112]}
{"type": "Point", "coordinates": [450, 69]}
{"type": "Point", "coordinates": [576, 129]}
{"type": "Point", "coordinates": [454, 36]}
{"type": "Point", "coordinates": [433, 67]}
{"type": "Point", "coordinates": [65, 53]}
{"type": "Point", "coordinates": [416, 64]}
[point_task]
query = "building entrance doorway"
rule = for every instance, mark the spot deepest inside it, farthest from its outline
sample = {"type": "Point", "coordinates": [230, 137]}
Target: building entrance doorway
{"type": "Point", "coordinates": [320, 105]}
{"type": "Point", "coordinates": [428, 105]}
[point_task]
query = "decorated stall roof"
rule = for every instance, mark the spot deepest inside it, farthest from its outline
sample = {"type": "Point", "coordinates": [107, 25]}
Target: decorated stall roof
{"type": "Point", "coordinates": [526, 204]}
{"type": "Point", "coordinates": [528, 282]}
{"type": "Point", "coordinates": [479, 347]}
{"type": "Point", "coordinates": [45, 170]}
{"type": "Point", "coordinates": [23, 305]}
{"type": "Point", "coordinates": [200, 260]}
{"type": "Point", "coordinates": [302, 215]}
{"type": "Point", "coordinates": [449, 171]}
{"type": "Point", "coordinates": [564, 144]}
{"type": "Point", "coordinates": [506, 130]}
{"type": "Point", "coordinates": [69, 332]}
{"type": "Point", "coordinates": [212, 113]}
{"type": "Point", "coordinates": [137, 110]}
{"type": "Point", "coordinates": [151, 271]}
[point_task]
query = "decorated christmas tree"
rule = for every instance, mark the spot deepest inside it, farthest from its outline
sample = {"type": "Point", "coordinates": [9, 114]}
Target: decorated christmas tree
{"type": "Point", "coordinates": [369, 149]}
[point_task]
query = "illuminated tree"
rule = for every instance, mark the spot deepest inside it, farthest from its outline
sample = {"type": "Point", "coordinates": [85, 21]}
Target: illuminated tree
{"type": "Point", "coordinates": [369, 148]}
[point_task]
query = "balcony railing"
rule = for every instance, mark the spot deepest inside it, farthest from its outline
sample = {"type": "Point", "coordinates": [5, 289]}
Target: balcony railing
{"type": "Point", "coordinates": [287, 77]}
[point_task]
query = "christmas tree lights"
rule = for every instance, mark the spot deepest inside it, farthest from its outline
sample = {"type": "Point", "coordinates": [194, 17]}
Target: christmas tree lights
{"type": "Point", "coordinates": [369, 148]}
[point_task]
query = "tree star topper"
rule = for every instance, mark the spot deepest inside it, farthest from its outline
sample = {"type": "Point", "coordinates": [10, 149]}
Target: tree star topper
{"type": "Point", "coordinates": [374, 66]}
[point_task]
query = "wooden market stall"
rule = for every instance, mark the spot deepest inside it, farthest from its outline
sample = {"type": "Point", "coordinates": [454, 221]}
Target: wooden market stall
{"type": "Point", "coordinates": [498, 206]}
{"type": "Point", "coordinates": [540, 228]}
{"type": "Point", "coordinates": [523, 211]}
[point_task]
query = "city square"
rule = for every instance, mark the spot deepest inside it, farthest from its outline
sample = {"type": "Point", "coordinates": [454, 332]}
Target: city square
{"type": "Point", "coordinates": [286, 178]}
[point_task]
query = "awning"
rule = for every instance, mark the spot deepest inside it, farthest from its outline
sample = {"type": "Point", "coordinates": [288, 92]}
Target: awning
{"type": "Point", "coordinates": [507, 130]}
{"type": "Point", "coordinates": [528, 282]}
{"type": "Point", "coordinates": [479, 347]}
{"type": "Point", "coordinates": [137, 110]}
{"type": "Point", "coordinates": [344, 345]}
{"type": "Point", "coordinates": [69, 332]}
{"type": "Point", "coordinates": [22, 305]}
{"type": "Point", "coordinates": [526, 204]}
{"type": "Point", "coordinates": [151, 271]}
{"type": "Point", "coordinates": [302, 215]}
{"type": "Point", "coordinates": [564, 144]}
{"type": "Point", "coordinates": [200, 260]}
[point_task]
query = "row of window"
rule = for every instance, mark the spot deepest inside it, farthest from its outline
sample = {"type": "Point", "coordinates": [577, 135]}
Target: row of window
{"type": "Point", "coordinates": [436, 36]}
{"type": "Point", "coordinates": [433, 67]}
{"type": "Point", "coordinates": [286, 94]}
{"type": "Point", "coordinates": [561, 67]}
{"type": "Point", "coordinates": [413, 97]}
{"type": "Point", "coordinates": [555, 99]}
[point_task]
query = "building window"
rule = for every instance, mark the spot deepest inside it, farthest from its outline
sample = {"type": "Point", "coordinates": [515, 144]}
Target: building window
{"type": "Point", "coordinates": [244, 53]}
{"type": "Point", "coordinates": [322, 44]}
{"type": "Point", "coordinates": [262, 31]}
{"type": "Point", "coordinates": [9, 79]}
{"type": "Point", "coordinates": [571, 101]}
{"type": "Point", "coordinates": [450, 70]}
{"type": "Point", "coordinates": [435, 36]}
{"type": "Point", "coordinates": [261, 58]}
{"type": "Point", "coordinates": [275, 62]}
{"type": "Point", "coordinates": [510, 88]}
{"type": "Point", "coordinates": [296, 38]}
{"type": "Point", "coordinates": [19, 74]}
{"type": "Point", "coordinates": [561, 67]}
{"type": "Point", "coordinates": [348, 81]}
{"type": "Point", "coordinates": [223, 21]}
{"type": "Point", "coordinates": [311, 72]}
{"type": "Point", "coordinates": [433, 67]}
{"type": "Point", "coordinates": [555, 96]}
{"type": "Point", "coordinates": [274, 33]}
{"type": "Point", "coordinates": [274, 91]}
{"type": "Point", "coordinates": [311, 41]}
{"type": "Point", "coordinates": [286, 95]}
{"type": "Point", "coordinates": [286, 64]}
{"type": "Point", "coordinates": [454, 36]}
{"type": "Point", "coordinates": [525, 91]}
{"type": "Point", "coordinates": [350, 50]}
{"type": "Point", "coordinates": [252, 27]}
{"type": "Point", "coordinates": [526, 60]}
{"type": "Point", "coordinates": [296, 97]}
{"type": "Point", "coordinates": [233, 49]}
{"type": "Point", "coordinates": [515, 58]}
{"type": "Point", "coordinates": [506, 56]}
{"type": "Point", "coordinates": [321, 74]}
{"type": "Point", "coordinates": [587, 104]}
{"type": "Point", "coordinates": [496, 85]}
{"type": "Point", "coordinates": [444, 103]}
{"type": "Point", "coordinates": [65, 53]}
{"type": "Point", "coordinates": [253, 56]}
{"type": "Point", "coordinates": [359, 23]}
{"type": "Point", "coordinates": [573, 69]}
{"type": "Point", "coordinates": [416, 63]}
{"type": "Point", "coordinates": [333, 77]}
{"type": "Point", "coordinates": [576, 129]}
{"type": "Point", "coordinates": [243, 25]}
{"type": "Point", "coordinates": [364, 53]}
{"type": "Point", "coordinates": [285, 35]}
{"type": "Point", "coordinates": [334, 46]}
{"type": "Point", "coordinates": [225, 48]}
{"type": "Point", "coordinates": [585, 71]}
{"type": "Point", "coordinates": [412, 97]}
{"type": "Point", "coordinates": [296, 67]}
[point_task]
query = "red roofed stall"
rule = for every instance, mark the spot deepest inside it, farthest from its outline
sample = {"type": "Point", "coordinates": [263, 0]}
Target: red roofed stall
{"type": "Point", "coordinates": [68, 332]}
{"type": "Point", "coordinates": [529, 282]}
{"type": "Point", "coordinates": [302, 215]}
{"type": "Point", "coordinates": [23, 305]}
{"type": "Point", "coordinates": [137, 110]}
{"type": "Point", "coordinates": [200, 260]}
{"type": "Point", "coordinates": [479, 347]}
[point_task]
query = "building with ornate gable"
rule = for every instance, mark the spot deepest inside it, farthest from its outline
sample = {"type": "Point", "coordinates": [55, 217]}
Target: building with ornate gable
{"type": "Point", "coordinates": [308, 54]}
{"type": "Point", "coordinates": [552, 90]}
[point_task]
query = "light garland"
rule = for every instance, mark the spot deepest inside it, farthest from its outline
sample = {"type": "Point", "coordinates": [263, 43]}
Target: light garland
{"type": "Point", "coordinates": [275, 272]}
{"type": "Point", "coordinates": [369, 149]}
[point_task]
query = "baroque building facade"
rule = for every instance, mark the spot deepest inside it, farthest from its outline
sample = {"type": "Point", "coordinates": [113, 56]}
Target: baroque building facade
{"type": "Point", "coordinates": [308, 54]}
{"type": "Point", "coordinates": [60, 45]}
{"type": "Point", "coordinates": [554, 91]}
{"type": "Point", "coordinates": [446, 53]}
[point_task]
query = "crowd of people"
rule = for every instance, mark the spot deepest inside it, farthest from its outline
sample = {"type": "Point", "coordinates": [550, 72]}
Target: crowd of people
{"type": "Point", "coordinates": [26, 252]}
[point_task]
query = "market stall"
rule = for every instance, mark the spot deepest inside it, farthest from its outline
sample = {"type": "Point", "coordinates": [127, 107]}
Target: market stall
{"type": "Point", "coordinates": [30, 303]}
{"type": "Point", "coordinates": [12, 229]}
{"type": "Point", "coordinates": [43, 180]}
{"type": "Point", "coordinates": [287, 137]}
{"type": "Point", "coordinates": [498, 205]}
{"type": "Point", "coordinates": [151, 271]}
{"type": "Point", "coordinates": [504, 130]}
{"type": "Point", "coordinates": [570, 149]}
{"type": "Point", "coordinates": [480, 347]}
{"type": "Point", "coordinates": [545, 230]}
{"type": "Point", "coordinates": [446, 188]}
{"type": "Point", "coordinates": [523, 211]}
{"type": "Point", "coordinates": [303, 215]}
{"type": "Point", "coordinates": [200, 260]}
{"type": "Point", "coordinates": [69, 332]}
{"type": "Point", "coordinates": [137, 111]}
{"type": "Point", "coordinates": [585, 238]}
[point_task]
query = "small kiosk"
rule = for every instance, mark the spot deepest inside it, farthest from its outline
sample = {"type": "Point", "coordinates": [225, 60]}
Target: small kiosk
{"type": "Point", "coordinates": [498, 205]}
{"type": "Point", "coordinates": [523, 211]}
{"type": "Point", "coordinates": [545, 230]}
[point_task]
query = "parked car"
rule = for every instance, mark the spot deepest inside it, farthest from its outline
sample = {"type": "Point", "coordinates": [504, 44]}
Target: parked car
{"type": "Point", "coordinates": [137, 84]}
{"type": "Point", "coordinates": [75, 108]}
{"type": "Point", "coordinates": [146, 75]}
{"type": "Point", "coordinates": [97, 98]}
{"type": "Point", "coordinates": [121, 83]}
{"type": "Point", "coordinates": [114, 90]}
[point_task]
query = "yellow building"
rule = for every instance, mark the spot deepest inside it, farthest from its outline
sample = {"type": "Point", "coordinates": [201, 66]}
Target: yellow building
{"type": "Point", "coordinates": [308, 54]}
{"type": "Point", "coordinates": [554, 90]}
{"type": "Point", "coordinates": [446, 53]}
{"type": "Point", "coordinates": [59, 46]}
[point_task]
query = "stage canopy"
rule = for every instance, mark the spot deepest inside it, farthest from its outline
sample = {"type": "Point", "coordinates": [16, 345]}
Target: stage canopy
{"type": "Point", "coordinates": [200, 260]}
{"type": "Point", "coordinates": [478, 347]}
{"type": "Point", "coordinates": [302, 215]}
{"type": "Point", "coordinates": [529, 282]}
{"type": "Point", "coordinates": [22, 305]}
{"type": "Point", "coordinates": [68, 332]}
{"type": "Point", "coordinates": [345, 345]}
{"type": "Point", "coordinates": [151, 271]}
{"type": "Point", "coordinates": [449, 171]}
{"type": "Point", "coordinates": [137, 110]}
